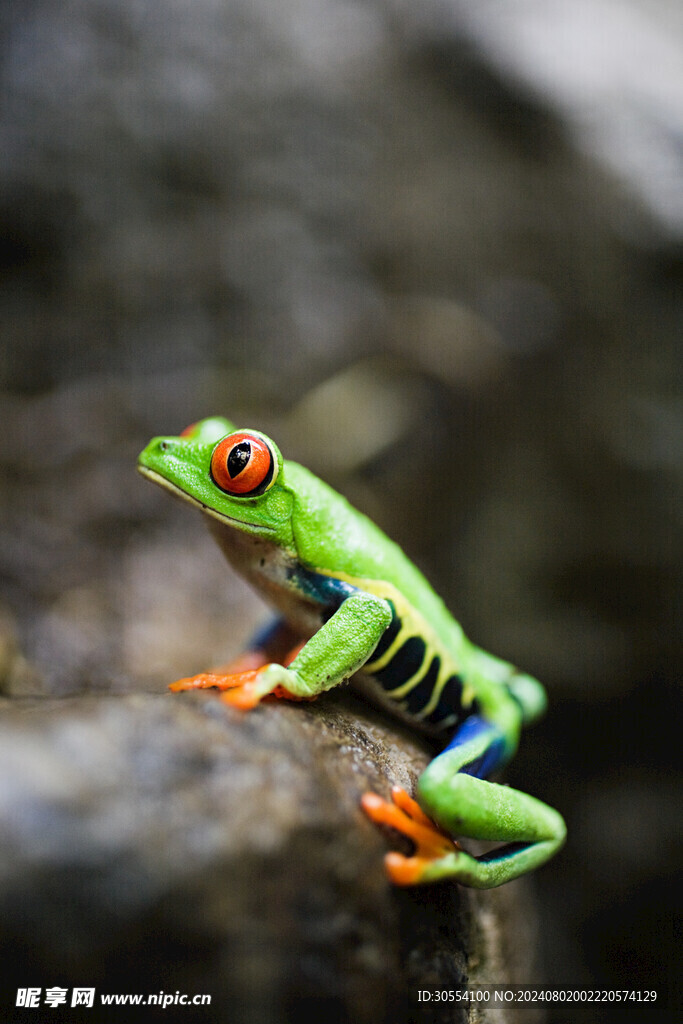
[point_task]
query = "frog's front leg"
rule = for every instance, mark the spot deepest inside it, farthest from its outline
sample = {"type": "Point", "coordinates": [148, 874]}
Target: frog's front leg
{"type": "Point", "coordinates": [338, 649]}
{"type": "Point", "coordinates": [460, 803]}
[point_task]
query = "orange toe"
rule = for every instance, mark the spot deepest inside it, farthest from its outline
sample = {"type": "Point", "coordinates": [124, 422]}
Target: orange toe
{"type": "Point", "coordinates": [213, 679]}
{"type": "Point", "coordinates": [200, 682]}
{"type": "Point", "coordinates": [240, 688]}
{"type": "Point", "coordinates": [405, 870]}
{"type": "Point", "coordinates": [410, 806]}
{"type": "Point", "coordinates": [244, 693]}
{"type": "Point", "coordinates": [406, 816]}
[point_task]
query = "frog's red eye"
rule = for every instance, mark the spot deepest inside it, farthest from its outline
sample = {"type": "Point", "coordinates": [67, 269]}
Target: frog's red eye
{"type": "Point", "coordinates": [243, 464]}
{"type": "Point", "coordinates": [188, 431]}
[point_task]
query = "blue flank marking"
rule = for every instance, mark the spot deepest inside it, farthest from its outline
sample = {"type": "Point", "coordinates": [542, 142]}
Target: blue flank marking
{"type": "Point", "coordinates": [263, 636]}
{"type": "Point", "coordinates": [473, 728]}
{"type": "Point", "coordinates": [503, 852]}
{"type": "Point", "coordinates": [326, 590]}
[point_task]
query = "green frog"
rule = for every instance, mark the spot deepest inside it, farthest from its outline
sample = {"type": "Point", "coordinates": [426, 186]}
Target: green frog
{"type": "Point", "coordinates": [350, 603]}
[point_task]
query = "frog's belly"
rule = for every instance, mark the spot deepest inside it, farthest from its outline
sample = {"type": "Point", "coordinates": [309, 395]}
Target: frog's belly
{"type": "Point", "coordinates": [273, 574]}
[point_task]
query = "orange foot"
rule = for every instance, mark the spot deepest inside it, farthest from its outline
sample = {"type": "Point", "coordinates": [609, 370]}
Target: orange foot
{"type": "Point", "coordinates": [240, 686]}
{"type": "Point", "coordinates": [406, 816]}
{"type": "Point", "coordinates": [241, 689]}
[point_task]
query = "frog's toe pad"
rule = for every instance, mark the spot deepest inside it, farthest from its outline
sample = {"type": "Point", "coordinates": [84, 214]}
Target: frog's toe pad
{"type": "Point", "coordinates": [405, 870]}
{"type": "Point", "coordinates": [406, 816]}
{"type": "Point", "coordinates": [243, 689]}
{"type": "Point", "coordinates": [410, 806]}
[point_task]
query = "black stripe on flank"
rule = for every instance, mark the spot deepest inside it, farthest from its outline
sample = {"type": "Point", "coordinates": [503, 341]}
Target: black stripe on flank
{"type": "Point", "coordinates": [404, 664]}
{"type": "Point", "coordinates": [419, 696]}
{"type": "Point", "coordinates": [450, 701]}
{"type": "Point", "coordinates": [388, 636]}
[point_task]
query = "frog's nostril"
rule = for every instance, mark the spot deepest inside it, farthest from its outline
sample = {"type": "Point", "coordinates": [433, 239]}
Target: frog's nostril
{"type": "Point", "coordinates": [164, 446]}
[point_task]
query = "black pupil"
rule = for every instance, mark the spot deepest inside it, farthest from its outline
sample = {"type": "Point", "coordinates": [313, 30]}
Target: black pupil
{"type": "Point", "coordinates": [238, 458]}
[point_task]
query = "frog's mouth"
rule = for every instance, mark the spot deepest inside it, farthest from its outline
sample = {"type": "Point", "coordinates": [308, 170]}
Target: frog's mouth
{"type": "Point", "coordinates": [185, 496]}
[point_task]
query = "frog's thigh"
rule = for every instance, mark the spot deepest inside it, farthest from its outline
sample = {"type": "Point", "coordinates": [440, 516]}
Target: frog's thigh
{"type": "Point", "coordinates": [465, 805]}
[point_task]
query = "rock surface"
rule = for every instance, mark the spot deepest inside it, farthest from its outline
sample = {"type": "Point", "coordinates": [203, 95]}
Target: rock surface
{"type": "Point", "coordinates": [155, 843]}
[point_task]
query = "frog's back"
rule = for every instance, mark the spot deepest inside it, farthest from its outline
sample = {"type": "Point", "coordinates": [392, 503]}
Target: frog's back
{"type": "Point", "coordinates": [334, 537]}
{"type": "Point", "coordinates": [421, 662]}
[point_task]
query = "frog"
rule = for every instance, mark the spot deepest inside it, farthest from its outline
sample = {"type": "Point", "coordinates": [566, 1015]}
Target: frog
{"type": "Point", "coordinates": [351, 606]}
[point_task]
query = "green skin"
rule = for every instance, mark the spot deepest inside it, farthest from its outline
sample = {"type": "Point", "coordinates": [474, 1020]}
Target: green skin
{"type": "Point", "coordinates": [300, 527]}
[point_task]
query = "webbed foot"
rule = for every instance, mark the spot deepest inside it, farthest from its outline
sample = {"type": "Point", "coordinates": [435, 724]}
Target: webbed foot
{"type": "Point", "coordinates": [240, 687]}
{"type": "Point", "coordinates": [244, 689]}
{"type": "Point", "coordinates": [406, 816]}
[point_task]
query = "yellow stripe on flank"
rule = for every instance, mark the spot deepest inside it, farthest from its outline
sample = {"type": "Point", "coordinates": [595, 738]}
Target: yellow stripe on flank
{"type": "Point", "coordinates": [413, 622]}
{"type": "Point", "coordinates": [406, 687]}
{"type": "Point", "coordinates": [436, 693]}
{"type": "Point", "coordinates": [466, 697]}
{"type": "Point", "coordinates": [400, 638]}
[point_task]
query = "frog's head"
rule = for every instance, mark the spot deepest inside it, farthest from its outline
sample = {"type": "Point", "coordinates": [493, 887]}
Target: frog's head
{"type": "Point", "coordinates": [235, 476]}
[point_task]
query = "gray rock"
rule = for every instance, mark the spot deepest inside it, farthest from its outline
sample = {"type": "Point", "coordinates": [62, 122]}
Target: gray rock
{"type": "Point", "coordinates": [155, 843]}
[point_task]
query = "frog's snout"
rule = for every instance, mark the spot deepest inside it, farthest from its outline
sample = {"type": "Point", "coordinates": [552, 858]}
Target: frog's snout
{"type": "Point", "coordinates": [158, 446]}
{"type": "Point", "coordinates": [156, 454]}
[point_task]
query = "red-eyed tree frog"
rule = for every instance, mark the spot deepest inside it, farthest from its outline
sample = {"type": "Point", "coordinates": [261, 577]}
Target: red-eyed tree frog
{"type": "Point", "coordinates": [352, 602]}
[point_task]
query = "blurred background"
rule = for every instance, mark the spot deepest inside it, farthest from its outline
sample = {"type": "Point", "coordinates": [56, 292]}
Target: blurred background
{"type": "Point", "coordinates": [433, 249]}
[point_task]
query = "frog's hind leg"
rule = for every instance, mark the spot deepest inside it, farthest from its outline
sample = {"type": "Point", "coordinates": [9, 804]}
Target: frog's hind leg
{"type": "Point", "coordinates": [529, 695]}
{"type": "Point", "coordinates": [454, 795]}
